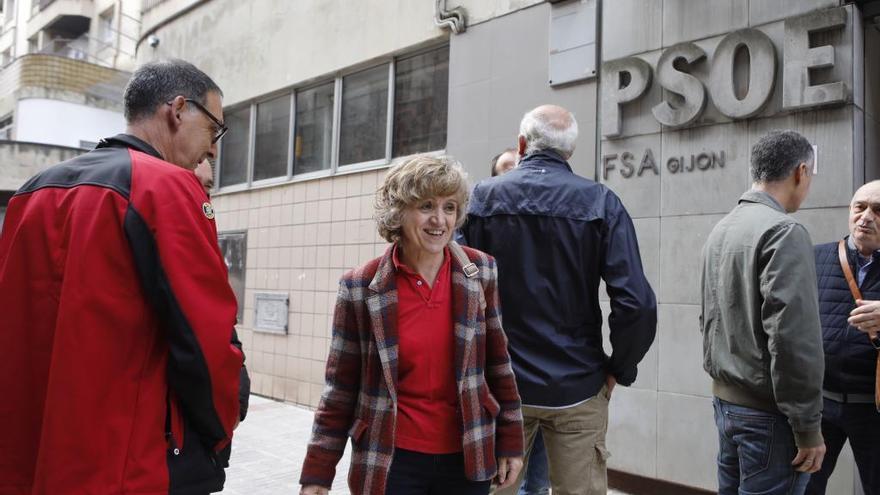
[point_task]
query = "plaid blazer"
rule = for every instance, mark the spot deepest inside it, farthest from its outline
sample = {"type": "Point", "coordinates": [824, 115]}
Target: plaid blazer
{"type": "Point", "coordinates": [360, 396]}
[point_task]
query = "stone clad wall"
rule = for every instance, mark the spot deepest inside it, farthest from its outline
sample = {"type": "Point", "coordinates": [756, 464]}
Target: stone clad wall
{"type": "Point", "coordinates": [663, 426]}
{"type": "Point", "coordinates": [490, 88]}
{"type": "Point", "coordinates": [301, 238]}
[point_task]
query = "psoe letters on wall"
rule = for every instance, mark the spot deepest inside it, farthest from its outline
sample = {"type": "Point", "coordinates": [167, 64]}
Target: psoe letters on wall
{"type": "Point", "coordinates": [628, 79]}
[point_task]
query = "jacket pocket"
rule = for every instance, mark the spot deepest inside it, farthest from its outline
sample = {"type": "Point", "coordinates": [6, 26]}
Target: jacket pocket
{"type": "Point", "coordinates": [754, 436]}
{"type": "Point", "coordinates": [174, 429]}
{"type": "Point", "coordinates": [489, 403]}
{"type": "Point", "coordinates": [357, 430]}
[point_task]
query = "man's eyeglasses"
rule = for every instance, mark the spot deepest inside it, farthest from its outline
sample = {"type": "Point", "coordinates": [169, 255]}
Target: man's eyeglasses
{"type": "Point", "coordinates": [221, 127]}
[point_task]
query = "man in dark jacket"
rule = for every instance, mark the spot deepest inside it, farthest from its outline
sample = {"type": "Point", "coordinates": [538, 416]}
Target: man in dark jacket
{"type": "Point", "coordinates": [122, 370]}
{"type": "Point", "coordinates": [849, 333]}
{"type": "Point", "coordinates": [554, 235]}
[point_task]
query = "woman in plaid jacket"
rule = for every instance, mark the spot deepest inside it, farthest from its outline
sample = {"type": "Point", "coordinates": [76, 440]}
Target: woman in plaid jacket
{"type": "Point", "coordinates": [418, 374]}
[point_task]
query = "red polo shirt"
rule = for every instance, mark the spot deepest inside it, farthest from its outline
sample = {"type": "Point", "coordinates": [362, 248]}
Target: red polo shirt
{"type": "Point", "coordinates": [428, 418]}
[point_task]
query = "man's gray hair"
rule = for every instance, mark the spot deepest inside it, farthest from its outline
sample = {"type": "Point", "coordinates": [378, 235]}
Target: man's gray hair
{"type": "Point", "coordinates": [545, 131]}
{"type": "Point", "coordinates": [157, 83]}
{"type": "Point", "coordinates": [777, 154]}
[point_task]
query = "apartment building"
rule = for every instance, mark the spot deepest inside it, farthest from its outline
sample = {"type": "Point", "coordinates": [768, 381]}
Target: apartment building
{"type": "Point", "coordinates": [63, 67]}
{"type": "Point", "coordinates": [322, 96]}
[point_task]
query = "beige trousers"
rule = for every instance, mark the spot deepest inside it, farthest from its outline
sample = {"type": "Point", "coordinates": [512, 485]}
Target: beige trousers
{"type": "Point", "coordinates": [575, 442]}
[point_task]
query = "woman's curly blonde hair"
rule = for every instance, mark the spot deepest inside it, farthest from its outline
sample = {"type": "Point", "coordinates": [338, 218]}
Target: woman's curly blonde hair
{"type": "Point", "coordinates": [413, 181]}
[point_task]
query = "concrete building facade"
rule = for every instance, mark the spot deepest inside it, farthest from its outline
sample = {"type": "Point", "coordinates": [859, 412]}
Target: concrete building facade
{"type": "Point", "coordinates": [63, 68]}
{"type": "Point", "coordinates": [322, 96]}
{"type": "Point", "coordinates": [102, 32]}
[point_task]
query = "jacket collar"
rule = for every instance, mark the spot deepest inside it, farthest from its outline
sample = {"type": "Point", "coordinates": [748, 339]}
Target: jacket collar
{"type": "Point", "coordinates": [754, 196]}
{"type": "Point", "coordinates": [129, 141]}
{"type": "Point", "coordinates": [544, 158]}
{"type": "Point", "coordinates": [851, 247]}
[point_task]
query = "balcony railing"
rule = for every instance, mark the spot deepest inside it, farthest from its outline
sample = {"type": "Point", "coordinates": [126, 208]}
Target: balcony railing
{"type": "Point", "coordinates": [42, 4]}
{"type": "Point", "coordinates": [149, 4]}
{"type": "Point", "coordinates": [85, 48]}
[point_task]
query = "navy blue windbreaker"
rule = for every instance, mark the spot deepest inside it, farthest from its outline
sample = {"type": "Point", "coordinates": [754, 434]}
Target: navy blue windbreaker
{"type": "Point", "coordinates": [554, 234]}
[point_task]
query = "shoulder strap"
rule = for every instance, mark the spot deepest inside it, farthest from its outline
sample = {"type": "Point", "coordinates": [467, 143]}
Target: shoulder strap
{"type": "Point", "coordinates": [847, 271]}
{"type": "Point", "coordinates": [469, 268]}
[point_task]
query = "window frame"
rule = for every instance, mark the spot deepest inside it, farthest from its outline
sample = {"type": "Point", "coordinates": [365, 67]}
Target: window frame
{"type": "Point", "coordinates": [335, 168]}
{"type": "Point", "coordinates": [252, 149]}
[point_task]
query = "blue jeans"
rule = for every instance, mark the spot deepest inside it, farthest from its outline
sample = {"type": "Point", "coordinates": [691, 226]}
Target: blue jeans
{"type": "Point", "coordinates": [861, 424]}
{"type": "Point", "coordinates": [537, 479]}
{"type": "Point", "coordinates": [755, 452]}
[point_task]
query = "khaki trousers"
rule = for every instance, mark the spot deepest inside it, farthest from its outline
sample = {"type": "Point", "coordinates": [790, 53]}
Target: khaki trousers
{"type": "Point", "coordinates": [575, 441]}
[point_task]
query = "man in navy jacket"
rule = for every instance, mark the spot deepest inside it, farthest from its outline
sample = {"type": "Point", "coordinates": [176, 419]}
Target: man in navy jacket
{"type": "Point", "coordinates": [554, 235]}
{"type": "Point", "coordinates": [850, 355]}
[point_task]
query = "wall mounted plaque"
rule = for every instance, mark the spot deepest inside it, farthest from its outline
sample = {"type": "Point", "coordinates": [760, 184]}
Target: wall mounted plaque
{"type": "Point", "coordinates": [270, 310]}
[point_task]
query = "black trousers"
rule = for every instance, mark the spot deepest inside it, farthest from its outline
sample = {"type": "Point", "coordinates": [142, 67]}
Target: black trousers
{"type": "Point", "coordinates": [860, 423]}
{"type": "Point", "coordinates": [414, 473]}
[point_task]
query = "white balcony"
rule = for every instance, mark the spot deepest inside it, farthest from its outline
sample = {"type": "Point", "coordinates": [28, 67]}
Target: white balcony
{"type": "Point", "coordinates": [48, 14]}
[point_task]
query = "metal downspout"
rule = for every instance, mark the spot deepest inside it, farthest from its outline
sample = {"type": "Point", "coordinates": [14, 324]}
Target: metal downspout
{"type": "Point", "coordinates": [455, 19]}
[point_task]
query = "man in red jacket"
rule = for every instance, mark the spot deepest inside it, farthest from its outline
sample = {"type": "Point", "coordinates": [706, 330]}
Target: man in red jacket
{"type": "Point", "coordinates": [121, 366]}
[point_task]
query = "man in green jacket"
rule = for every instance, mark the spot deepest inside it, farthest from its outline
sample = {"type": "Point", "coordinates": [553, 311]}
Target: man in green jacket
{"type": "Point", "coordinates": [762, 341]}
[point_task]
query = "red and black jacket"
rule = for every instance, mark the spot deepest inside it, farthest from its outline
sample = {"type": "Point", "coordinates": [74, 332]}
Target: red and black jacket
{"type": "Point", "coordinates": [121, 370]}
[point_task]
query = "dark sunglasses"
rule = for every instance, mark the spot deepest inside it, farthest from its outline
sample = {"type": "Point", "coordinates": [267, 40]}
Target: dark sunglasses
{"type": "Point", "coordinates": [221, 127]}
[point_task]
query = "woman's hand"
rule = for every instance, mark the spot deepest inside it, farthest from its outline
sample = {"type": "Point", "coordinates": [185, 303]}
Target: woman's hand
{"type": "Point", "coordinates": [314, 490]}
{"type": "Point", "coordinates": [508, 470]}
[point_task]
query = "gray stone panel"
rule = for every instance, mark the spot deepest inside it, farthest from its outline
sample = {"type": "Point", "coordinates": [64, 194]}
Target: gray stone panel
{"type": "Point", "coordinates": [682, 240]}
{"type": "Point", "coordinates": [636, 116]}
{"type": "Point", "coordinates": [824, 224]}
{"type": "Point", "coordinates": [628, 79]}
{"type": "Point", "coordinates": [681, 351]}
{"type": "Point", "coordinates": [630, 27]}
{"type": "Point", "coordinates": [872, 149]}
{"type": "Point", "coordinates": [688, 440]}
{"type": "Point", "coordinates": [763, 11]}
{"type": "Point", "coordinates": [472, 53]}
{"type": "Point", "coordinates": [511, 43]}
{"type": "Point", "coordinates": [490, 90]}
{"type": "Point", "coordinates": [648, 235]}
{"type": "Point", "coordinates": [646, 379]}
{"type": "Point", "coordinates": [702, 70]}
{"type": "Point", "coordinates": [803, 55]}
{"type": "Point", "coordinates": [690, 90]}
{"type": "Point", "coordinates": [469, 112]}
{"type": "Point", "coordinates": [714, 190]}
{"type": "Point", "coordinates": [859, 145]}
{"type": "Point", "coordinates": [761, 74]}
{"type": "Point", "coordinates": [475, 157]}
{"type": "Point", "coordinates": [872, 73]}
{"type": "Point", "coordinates": [844, 480]}
{"type": "Point", "coordinates": [859, 62]}
{"type": "Point", "coordinates": [688, 20]}
{"type": "Point", "coordinates": [505, 112]}
{"type": "Point", "coordinates": [640, 194]}
{"type": "Point", "coordinates": [832, 131]}
{"type": "Point", "coordinates": [632, 431]}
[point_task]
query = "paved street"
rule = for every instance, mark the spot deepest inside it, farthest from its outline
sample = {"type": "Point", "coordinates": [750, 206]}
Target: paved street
{"type": "Point", "coordinates": [269, 449]}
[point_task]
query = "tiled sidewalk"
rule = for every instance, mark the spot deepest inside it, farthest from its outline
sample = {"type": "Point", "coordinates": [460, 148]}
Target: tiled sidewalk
{"type": "Point", "coordinates": [269, 449]}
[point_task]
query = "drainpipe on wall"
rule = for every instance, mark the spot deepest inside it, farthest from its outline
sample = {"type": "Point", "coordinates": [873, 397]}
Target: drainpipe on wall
{"type": "Point", "coordinates": [118, 33]}
{"type": "Point", "coordinates": [455, 19]}
{"type": "Point", "coordinates": [598, 135]}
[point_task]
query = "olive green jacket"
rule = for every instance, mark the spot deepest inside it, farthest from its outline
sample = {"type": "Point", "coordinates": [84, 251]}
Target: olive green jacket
{"type": "Point", "coordinates": [762, 340]}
